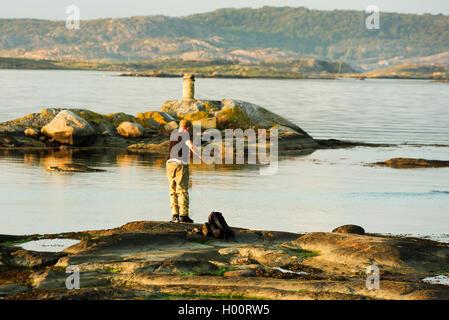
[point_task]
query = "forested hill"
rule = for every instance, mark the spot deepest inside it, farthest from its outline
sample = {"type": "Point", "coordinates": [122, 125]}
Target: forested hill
{"type": "Point", "coordinates": [269, 33]}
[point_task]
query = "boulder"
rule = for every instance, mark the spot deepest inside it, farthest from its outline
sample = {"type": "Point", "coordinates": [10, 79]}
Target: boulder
{"type": "Point", "coordinates": [232, 117]}
{"type": "Point", "coordinates": [237, 114]}
{"type": "Point", "coordinates": [36, 120]}
{"type": "Point", "coordinates": [68, 128]}
{"type": "Point", "coordinates": [169, 127]}
{"type": "Point", "coordinates": [130, 130]}
{"type": "Point", "coordinates": [350, 228]}
{"type": "Point", "coordinates": [260, 117]}
{"type": "Point", "coordinates": [32, 133]}
{"type": "Point", "coordinates": [347, 254]}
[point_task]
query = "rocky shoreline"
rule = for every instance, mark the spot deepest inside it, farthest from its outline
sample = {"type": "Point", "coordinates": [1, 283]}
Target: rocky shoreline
{"type": "Point", "coordinates": [162, 260]}
{"type": "Point", "coordinates": [147, 131]}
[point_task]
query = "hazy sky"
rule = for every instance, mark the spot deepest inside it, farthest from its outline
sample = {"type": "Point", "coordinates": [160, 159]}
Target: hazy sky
{"type": "Point", "coordinates": [91, 9]}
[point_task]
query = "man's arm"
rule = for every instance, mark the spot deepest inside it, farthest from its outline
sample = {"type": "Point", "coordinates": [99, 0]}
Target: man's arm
{"type": "Point", "coordinates": [192, 147]}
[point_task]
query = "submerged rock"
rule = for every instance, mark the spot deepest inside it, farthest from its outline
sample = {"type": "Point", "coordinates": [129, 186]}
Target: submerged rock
{"type": "Point", "coordinates": [68, 128]}
{"type": "Point", "coordinates": [409, 163]}
{"type": "Point", "coordinates": [72, 167]}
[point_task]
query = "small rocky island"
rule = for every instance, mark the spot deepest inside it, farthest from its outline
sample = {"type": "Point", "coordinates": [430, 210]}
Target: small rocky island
{"type": "Point", "coordinates": [147, 131]}
{"type": "Point", "coordinates": [162, 260]}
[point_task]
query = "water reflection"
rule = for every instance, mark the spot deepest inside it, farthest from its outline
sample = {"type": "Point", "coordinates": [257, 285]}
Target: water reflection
{"type": "Point", "coordinates": [117, 158]}
{"type": "Point", "coordinates": [314, 192]}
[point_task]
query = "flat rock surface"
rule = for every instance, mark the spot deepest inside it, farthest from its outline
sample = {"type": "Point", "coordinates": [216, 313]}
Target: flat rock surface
{"type": "Point", "coordinates": [149, 259]}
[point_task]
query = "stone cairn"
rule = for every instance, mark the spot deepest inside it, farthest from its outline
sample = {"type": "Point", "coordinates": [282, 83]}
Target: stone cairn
{"type": "Point", "coordinates": [188, 89]}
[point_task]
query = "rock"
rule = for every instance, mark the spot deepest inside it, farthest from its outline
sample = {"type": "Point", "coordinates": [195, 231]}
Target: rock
{"type": "Point", "coordinates": [351, 254]}
{"type": "Point", "coordinates": [187, 266]}
{"type": "Point", "coordinates": [7, 140]}
{"type": "Point", "coordinates": [183, 107]}
{"type": "Point", "coordinates": [12, 289]}
{"type": "Point", "coordinates": [72, 167]}
{"type": "Point", "coordinates": [11, 141]}
{"type": "Point", "coordinates": [350, 228]}
{"type": "Point", "coordinates": [232, 117]}
{"type": "Point", "coordinates": [152, 125]}
{"type": "Point", "coordinates": [32, 133]}
{"type": "Point", "coordinates": [206, 123]}
{"type": "Point", "coordinates": [35, 120]}
{"type": "Point", "coordinates": [116, 142]}
{"type": "Point", "coordinates": [15, 257]}
{"type": "Point", "coordinates": [12, 129]}
{"type": "Point", "coordinates": [161, 118]}
{"type": "Point", "coordinates": [169, 127]}
{"type": "Point", "coordinates": [50, 279]}
{"type": "Point", "coordinates": [130, 130]}
{"type": "Point", "coordinates": [410, 163]}
{"type": "Point", "coordinates": [115, 119]}
{"type": "Point", "coordinates": [28, 142]}
{"type": "Point", "coordinates": [146, 259]}
{"type": "Point", "coordinates": [237, 114]}
{"type": "Point", "coordinates": [259, 116]}
{"type": "Point", "coordinates": [68, 128]}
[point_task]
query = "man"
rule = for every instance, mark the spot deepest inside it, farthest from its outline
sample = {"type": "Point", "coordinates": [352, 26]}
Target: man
{"type": "Point", "coordinates": [179, 154]}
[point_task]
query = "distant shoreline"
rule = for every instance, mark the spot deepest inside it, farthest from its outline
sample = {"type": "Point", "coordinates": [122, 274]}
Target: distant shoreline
{"type": "Point", "coordinates": [221, 69]}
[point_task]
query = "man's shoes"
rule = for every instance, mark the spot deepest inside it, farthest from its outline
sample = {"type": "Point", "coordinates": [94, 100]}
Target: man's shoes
{"type": "Point", "coordinates": [175, 218]}
{"type": "Point", "coordinates": [185, 219]}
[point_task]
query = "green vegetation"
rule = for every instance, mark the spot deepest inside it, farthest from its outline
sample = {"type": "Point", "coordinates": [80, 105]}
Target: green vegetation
{"type": "Point", "coordinates": [178, 295]}
{"type": "Point", "coordinates": [296, 69]}
{"type": "Point", "coordinates": [302, 290]}
{"type": "Point", "coordinates": [235, 35]}
{"type": "Point", "coordinates": [435, 72]}
{"type": "Point", "coordinates": [304, 254]}
{"type": "Point", "coordinates": [112, 270]}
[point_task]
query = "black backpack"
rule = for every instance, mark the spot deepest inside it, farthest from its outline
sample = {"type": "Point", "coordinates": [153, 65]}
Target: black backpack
{"type": "Point", "coordinates": [217, 227]}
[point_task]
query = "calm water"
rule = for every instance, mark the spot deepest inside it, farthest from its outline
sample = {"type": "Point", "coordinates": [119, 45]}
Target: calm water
{"type": "Point", "coordinates": [316, 192]}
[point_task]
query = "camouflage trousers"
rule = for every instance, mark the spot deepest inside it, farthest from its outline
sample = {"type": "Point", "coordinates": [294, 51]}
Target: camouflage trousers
{"type": "Point", "coordinates": [178, 180]}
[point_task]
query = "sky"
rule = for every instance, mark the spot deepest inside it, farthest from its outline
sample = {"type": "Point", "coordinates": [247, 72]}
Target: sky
{"type": "Point", "coordinates": [93, 9]}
